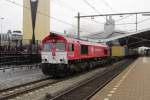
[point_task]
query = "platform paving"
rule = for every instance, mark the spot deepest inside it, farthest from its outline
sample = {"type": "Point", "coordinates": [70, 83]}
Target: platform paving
{"type": "Point", "coordinates": [132, 84]}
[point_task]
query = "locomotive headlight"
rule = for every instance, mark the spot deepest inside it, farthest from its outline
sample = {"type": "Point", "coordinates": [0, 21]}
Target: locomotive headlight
{"type": "Point", "coordinates": [62, 60]}
{"type": "Point", "coordinates": [44, 60]}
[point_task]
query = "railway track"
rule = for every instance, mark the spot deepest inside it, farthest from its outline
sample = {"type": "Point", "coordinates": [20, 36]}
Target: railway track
{"type": "Point", "coordinates": [25, 88]}
{"type": "Point", "coordinates": [15, 91]}
{"type": "Point", "coordinates": [80, 92]}
{"type": "Point", "coordinates": [88, 88]}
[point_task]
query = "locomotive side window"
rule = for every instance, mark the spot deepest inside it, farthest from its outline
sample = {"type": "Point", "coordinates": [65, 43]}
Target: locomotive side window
{"type": "Point", "coordinates": [84, 49]}
{"type": "Point", "coordinates": [47, 47]}
{"type": "Point", "coordinates": [71, 47]}
{"type": "Point", "coordinates": [60, 46]}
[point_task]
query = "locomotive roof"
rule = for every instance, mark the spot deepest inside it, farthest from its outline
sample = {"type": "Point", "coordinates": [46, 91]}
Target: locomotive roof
{"type": "Point", "coordinates": [73, 40]}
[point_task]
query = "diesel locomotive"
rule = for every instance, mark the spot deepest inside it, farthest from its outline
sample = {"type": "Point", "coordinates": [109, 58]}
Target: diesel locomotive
{"type": "Point", "coordinates": [63, 55]}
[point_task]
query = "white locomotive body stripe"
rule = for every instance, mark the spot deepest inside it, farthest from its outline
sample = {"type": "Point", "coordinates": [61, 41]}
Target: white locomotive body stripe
{"type": "Point", "coordinates": [59, 58]}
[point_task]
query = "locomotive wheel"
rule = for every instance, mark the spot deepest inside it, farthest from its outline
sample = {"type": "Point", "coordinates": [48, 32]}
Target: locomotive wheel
{"type": "Point", "coordinates": [62, 72]}
{"type": "Point", "coordinates": [73, 68]}
{"type": "Point", "coordinates": [67, 70]}
{"type": "Point", "coordinates": [86, 66]}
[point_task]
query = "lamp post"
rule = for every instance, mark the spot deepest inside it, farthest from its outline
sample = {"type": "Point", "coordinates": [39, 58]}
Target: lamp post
{"type": "Point", "coordinates": [1, 29]}
{"type": "Point", "coordinates": [78, 30]}
{"type": "Point", "coordinates": [2, 18]}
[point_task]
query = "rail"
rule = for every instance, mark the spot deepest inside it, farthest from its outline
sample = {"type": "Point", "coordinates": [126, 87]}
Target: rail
{"type": "Point", "coordinates": [88, 88]}
{"type": "Point", "coordinates": [24, 88]}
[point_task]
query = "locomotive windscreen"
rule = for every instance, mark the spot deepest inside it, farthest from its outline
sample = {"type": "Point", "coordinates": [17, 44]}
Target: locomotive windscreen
{"type": "Point", "coordinates": [58, 46]}
{"type": "Point", "coordinates": [47, 47]}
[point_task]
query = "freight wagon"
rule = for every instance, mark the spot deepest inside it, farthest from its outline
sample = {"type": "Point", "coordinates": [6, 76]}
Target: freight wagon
{"type": "Point", "coordinates": [120, 52]}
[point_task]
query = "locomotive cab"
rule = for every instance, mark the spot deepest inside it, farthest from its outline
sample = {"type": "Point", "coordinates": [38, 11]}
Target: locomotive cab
{"type": "Point", "coordinates": [54, 50]}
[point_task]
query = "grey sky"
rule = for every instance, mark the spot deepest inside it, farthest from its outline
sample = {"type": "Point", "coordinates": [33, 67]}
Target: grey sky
{"type": "Point", "coordinates": [65, 10]}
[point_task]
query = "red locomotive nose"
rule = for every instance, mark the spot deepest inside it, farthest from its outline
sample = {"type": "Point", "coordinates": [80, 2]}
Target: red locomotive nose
{"type": "Point", "coordinates": [53, 49]}
{"type": "Point", "coordinates": [53, 52]}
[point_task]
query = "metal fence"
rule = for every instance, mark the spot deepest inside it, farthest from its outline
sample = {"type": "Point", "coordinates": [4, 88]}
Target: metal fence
{"type": "Point", "coordinates": [18, 52]}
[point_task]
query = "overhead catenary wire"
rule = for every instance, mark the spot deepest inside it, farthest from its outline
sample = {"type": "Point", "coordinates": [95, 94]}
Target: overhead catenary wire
{"type": "Point", "coordinates": [125, 24]}
{"type": "Point", "coordinates": [123, 18]}
{"type": "Point", "coordinates": [107, 4]}
{"type": "Point", "coordinates": [139, 22]}
{"type": "Point", "coordinates": [100, 13]}
{"type": "Point", "coordinates": [46, 15]}
{"type": "Point", "coordinates": [62, 20]}
{"type": "Point", "coordinates": [133, 30]}
{"type": "Point", "coordinates": [86, 2]}
{"type": "Point", "coordinates": [143, 20]}
{"type": "Point", "coordinates": [88, 19]}
{"type": "Point", "coordinates": [43, 14]}
{"type": "Point", "coordinates": [73, 9]}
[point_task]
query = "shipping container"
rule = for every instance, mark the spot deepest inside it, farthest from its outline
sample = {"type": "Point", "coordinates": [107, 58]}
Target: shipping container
{"type": "Point", "coordinates": [118, 51]}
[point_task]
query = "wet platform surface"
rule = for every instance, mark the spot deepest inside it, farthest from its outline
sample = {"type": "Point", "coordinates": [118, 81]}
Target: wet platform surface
{"type": "Point", "coordinates": [132, 84]}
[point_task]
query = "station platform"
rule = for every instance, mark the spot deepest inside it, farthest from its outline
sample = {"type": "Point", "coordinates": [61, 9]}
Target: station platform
{"type": "Point", "coordinates": [132, 84]}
